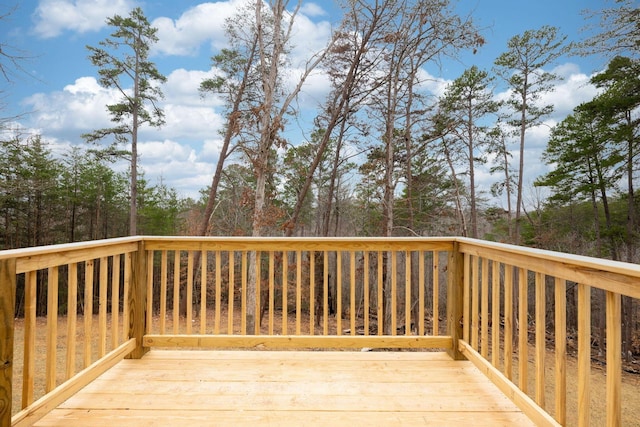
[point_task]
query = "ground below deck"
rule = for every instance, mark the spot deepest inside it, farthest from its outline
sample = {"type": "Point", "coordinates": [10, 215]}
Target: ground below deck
{"type": "Point", "coordinates": [289, 388]}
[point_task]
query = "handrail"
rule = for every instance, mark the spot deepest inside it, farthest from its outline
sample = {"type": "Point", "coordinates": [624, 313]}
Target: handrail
{"type": "Point", "coordinates": [476, 299]}
{"type": "Point", "coordinates": [507, 294]}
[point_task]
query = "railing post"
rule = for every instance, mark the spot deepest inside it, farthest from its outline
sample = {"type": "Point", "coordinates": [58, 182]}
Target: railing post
{"type": "Point", "coordinates": [7, 309]}
{"type": "Point", "coordinates": [137, 299]}
{"type": "Point", "coordinates": [455, 303]}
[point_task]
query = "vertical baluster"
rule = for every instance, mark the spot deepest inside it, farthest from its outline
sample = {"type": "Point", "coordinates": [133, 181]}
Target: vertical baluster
{"type": "Point", "coordinates": [540, 338]}
{"type": "Point", "coordinates": [203, 292]}
{"type": "Point", "coordinates": [271, 291]}
{"type": "Point", "coordinates": [339, 291]}
{"type": "Point", "coordinates": [561, 350]}
{"type": "Point", "coordinates": [298, 292]}
{"type": "Point", "coordinates": [312, 292]}
{"type": "Point", "coordinates": [394, 292]}
{"type": "Point", "coordinates": [218, 300]}
{"type": "Point", "coordinates": [163, 292]}
{"type": "Point", "coordinates": [125, 293]}
{"type": "Point", "coordinates": [475, 303]}
{"type": "Point", "coordinates": [365, 284]}
{"type": "Point", "coordinates": [352, 291]}
{"type": "Point", "coordinates": [150, 255]}
{"type": "Point", "coordinates": [52, 328]}
{"type": "Point", "coordinates": [232, 292]}
{"type": "Point", "coordinates": [285, 291]}
{"type": "Point", "coordinates": [88, 311]}
{"type": "Point", "coordinates": [243, 294]}
{"type": "Point", "coordinates": [29, 364]}
{"type": "Point", "coordinates": [421, 296]}
{"type": "Point", "coordinates": [436, 293]}
{"type": "Point", "coordinates": [176, 292]}
{"type": "Point", "coordinates": [115, 300]}
{"type": "Point", "coordinates": [495, 314]}
{"type": "Point", "coordinates": [523, 329]}
{"type": "Point", "coordinates": [189, 304]}
{"type": "Point", "coordinates": [380, 295]}
{"type": "Point", "coordinates": [102, 306]}
{"type": "Point", "coordinates": [466, 299]}
{"type": "Point", "coordinates": [508, 322]}
{"type": "Point", "coordinates": [484, 348]}
{"type": "Point", "coordinates": [325, 302]}
{"type": "Point", "coordinates": [72, 318]}
{"type": "Point", "coordinates": [407, 293]}
{"type": "Point", "coordinates": [584, 354]}
{"type": "Point", "coordinates": [614, 359]}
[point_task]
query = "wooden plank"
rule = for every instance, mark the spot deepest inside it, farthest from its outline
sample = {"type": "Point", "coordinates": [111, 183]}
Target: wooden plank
{"type": "Point", "coordinates": [524, 402]}
{"type": "Point", "coordinates": [40, 258]}
{"type": "Point", "coordinates": [484, 309]}
{"type": "Point", "coordinates": [466, 298]}
{"type": "Point", "coordinates": [298, 292]}
{"type": "Point", "coordinates": [7, 308]}
{"type": "Point", "coordinates": [299, 243]}
{"type": "Point", "coordinates": [614, 276]}
{"type": "Point", "coordinates": [339, 292]}
{"type": "Point", "coordinates": [287, 418]}
{"type": "Point", "coordinates": [203, 292]}
{"type": "Point", "coordinates": [508, 321]}
{"type": "Point", "coordinates": [421, 294]}
{"type": "Point", "coordinates": [218, 290]}
{"type": "Point", "coordinates": [285, 292]}
{"type": "Point", "coordinates": [296, 341]}
{"type": "Point", "coordinates": [163, 291]}
{"type": "Point", "coordinates": [29, 364]}
{"type": "Point", "coordinates": [137, 301]}
{"type": "Point", "coordinates": [52, 328]}
{"type": "Point", "coordinates": [232, 292]}
{"type": "Point", "coordinates": [614, 359]}
{"type": "Point", "coordinates": [115, 301]}
{"type": "Point", "coordinates": [87, 311]}
{"type": "Point", "coordinates": [561, 351]}
{"type": "Point", "coordinates": [70, 387]}
{"type": "Point", "coordinates": [475, 304]}
{"type": "Point", "coordinates": [149, 283]}
{"type": "Point", "coordinates": [190, 268]}
{"type": "Point", "coordinates": [407, 294]}
{"type": "Point", "coordinates": [380, 292]}
{"type": "Point", "coordinates": [271, 292]}
{"type": "Point", "coordinates": [394, 292]}
{"type": "Point", "coordinates": [455, 272]}
{"type": "Point", "coordinates": [523, 329]}
{"type": "Point", "coordinates": [176, 292]}
{"type": "Point", "coordinates": [541, 342]}
{"type": "Point", "coordinates": [72, 318]}
{"type": "Point", "coordinates": [584, 354]}
{"type": "Point", "coordinates": [352, 292]}
{"type": "Point", "coordinates": [128, 270]}
{"type": "Point", "coordinates": [436, 293]}
{"type": "Point", "coordinates": [102, 306]}
{"type": "Point", "coordinates": [289, 388]}
{"type": "Point", "coordinates": [495, 314]}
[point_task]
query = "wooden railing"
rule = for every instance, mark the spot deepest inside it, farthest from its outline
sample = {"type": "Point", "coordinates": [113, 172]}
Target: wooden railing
{"type": "Point", "coordinates": [118, 298]}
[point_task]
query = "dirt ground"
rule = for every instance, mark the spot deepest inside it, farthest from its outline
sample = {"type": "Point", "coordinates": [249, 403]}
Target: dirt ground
{"type": "Point", "coordinates": [630, 381]}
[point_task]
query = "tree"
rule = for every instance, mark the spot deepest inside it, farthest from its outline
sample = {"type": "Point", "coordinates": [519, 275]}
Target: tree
{"type": "Point", "coordinates": [236, 81]}
{"type": "Point", "coordinates": [467, 102]}
{"type": "Point", "coordinates": [618, 31]}
{"type": "Point", "coordinates": [138, 105]}
{"type": "Point", "coordinates": [521, 67]}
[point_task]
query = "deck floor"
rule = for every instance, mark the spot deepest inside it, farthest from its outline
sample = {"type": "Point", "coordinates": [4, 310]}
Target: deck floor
{"type": "Point", "coordinates": [287, 388]}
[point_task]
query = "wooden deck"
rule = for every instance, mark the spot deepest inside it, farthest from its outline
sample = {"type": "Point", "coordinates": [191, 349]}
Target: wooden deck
{"type": "Point", "coordinates": [288, 388]}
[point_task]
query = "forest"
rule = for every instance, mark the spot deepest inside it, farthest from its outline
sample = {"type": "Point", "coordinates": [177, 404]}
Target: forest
{"type": "Point", "coordinates": [384, 158]}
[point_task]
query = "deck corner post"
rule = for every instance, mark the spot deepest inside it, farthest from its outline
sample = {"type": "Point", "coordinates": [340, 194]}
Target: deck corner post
{"type": "Point", "coordinates": [138, 300]}
{"type": "Point", "coordinates": [455, 303]}
{"type": "Point", "coordinates": [7, 311]}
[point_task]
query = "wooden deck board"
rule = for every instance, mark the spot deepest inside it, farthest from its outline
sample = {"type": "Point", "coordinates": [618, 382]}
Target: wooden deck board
{"type": "Point", "coordinates": [283, 388]}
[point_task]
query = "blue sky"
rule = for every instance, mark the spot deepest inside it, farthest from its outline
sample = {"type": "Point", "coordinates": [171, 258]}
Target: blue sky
{"type": "Point", "coordinates": [60, 98]}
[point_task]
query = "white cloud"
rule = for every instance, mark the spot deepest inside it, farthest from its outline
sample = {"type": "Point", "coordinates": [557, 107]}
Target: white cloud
{"type": "Point", "coordinates": [312, 9]}
{"type": "Point", "coordinates": [52, 17]}
{"type": "Point", "coordinates": [204, 22]}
